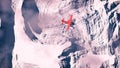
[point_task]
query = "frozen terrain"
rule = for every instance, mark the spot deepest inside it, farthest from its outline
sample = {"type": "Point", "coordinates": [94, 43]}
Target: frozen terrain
{"type": "Point", "coordinates": [41, 41]}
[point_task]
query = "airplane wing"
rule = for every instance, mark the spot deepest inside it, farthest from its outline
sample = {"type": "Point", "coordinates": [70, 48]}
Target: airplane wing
{"type": "Point", "coordinates": [69, 22]}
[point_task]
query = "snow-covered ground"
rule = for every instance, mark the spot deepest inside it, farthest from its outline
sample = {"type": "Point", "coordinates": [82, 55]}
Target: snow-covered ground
{"type": "Point", "coordinates": [90, 42]}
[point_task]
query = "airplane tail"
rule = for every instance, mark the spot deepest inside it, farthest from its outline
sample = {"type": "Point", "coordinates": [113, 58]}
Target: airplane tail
{"type": "Point", "coordinates": [69, 22]}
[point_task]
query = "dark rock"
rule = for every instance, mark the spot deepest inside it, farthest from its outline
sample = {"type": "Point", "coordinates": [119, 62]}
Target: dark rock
{"type": "Point", "coordinates": [87, 25]}
{"type": "Point", "coordinates": [73, 48]}
{"type": "Point", "coordinates": [116, 43]}
{"type": "Point", "coordinates": [119, 31]}
{"type": "Point", "coordinates": [65, 63]}
{"type": "Point", "coordinates": [111, 29]}
{"type": "Point", "coordinates": [106, 7]}
{"type": "Point", "coordinates": [105, 65]}
{"type": "Point", "coordinates": [75, 4]}
{"type": "Point", "coordinates": [29, 32]}
{"type": "Point", "coordinates": [113, 5]}
{"type": "Point", "coordinates": [118, 17]}
{"type": "Point", "coordinates": [111, 15]}
{"type": "Point", "coordinates": [115, 63]}
{"type": "Point", "coordinates": [95, 51]}
{"type": "Point", "coordinates": [8, 38]}
{"type": "Point", "coordinates": [30, 5]}
{"type": "Point", "coordinates": [30, 12]}
{"type": "Point", "coordinates": [112, 50]}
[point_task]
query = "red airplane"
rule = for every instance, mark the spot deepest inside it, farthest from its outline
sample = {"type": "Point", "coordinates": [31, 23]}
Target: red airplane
{"type": "Point", "coordinates": [67, 22]}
